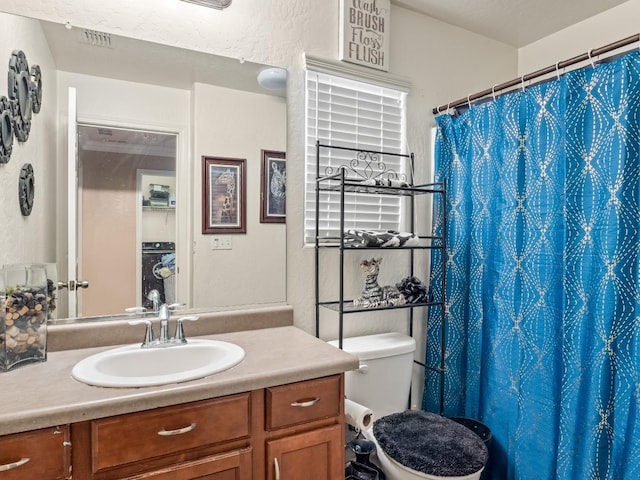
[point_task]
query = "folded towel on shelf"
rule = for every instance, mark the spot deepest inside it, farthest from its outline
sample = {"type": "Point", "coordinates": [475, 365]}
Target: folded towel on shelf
{"type": "Point", "coordinates": [371, 238]}
{"type": "Point", "coordinates": [168, 261]}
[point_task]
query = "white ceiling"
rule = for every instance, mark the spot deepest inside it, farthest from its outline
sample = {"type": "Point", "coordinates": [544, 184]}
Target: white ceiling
{"type": "Point", "coordinates": [90, 52]}
{"type": "Point", "coordinates": [514, 22]}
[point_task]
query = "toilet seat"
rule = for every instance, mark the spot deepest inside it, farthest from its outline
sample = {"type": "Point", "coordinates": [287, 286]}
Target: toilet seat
{"type": "Point", "coordinates": [430, 444]}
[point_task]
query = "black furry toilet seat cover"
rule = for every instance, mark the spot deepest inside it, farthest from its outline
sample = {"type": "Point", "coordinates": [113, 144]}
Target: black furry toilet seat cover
{"type": "Point", "coordinates": [431, 444]}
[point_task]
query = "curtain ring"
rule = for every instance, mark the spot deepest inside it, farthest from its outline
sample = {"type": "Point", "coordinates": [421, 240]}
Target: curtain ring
{"type": "Point", "coordinates": [469, 100]}
{"type": "Point", "coordinates": [558, 70]}
{"type": "Point", "coordinates": [493, 92]}
{"type": "Point", "coordinates": [448, 105]}
{"type": "Point", "coordinates": [591, 59]}
{"type": "Point", "coordinates": [522, 80]}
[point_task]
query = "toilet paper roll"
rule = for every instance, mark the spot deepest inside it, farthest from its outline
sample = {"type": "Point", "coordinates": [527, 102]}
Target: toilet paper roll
{"type": "Point", "coordinates": [357, 415]}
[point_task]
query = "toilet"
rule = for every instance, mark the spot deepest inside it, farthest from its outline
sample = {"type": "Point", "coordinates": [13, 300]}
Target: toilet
{"type": "Point", "coordinates": [410, 444]}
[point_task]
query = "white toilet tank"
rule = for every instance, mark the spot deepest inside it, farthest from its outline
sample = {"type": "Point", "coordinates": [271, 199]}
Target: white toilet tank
{"type": "Point", "coordinates": [384, 379]}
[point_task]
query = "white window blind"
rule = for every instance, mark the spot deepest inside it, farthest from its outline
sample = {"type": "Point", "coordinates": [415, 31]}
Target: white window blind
{"type": "Point", "coordinates": [353, 114]}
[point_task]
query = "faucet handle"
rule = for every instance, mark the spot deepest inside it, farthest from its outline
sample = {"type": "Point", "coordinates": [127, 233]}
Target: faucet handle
{"type": "Point", "coordinates": [175, 306]}
{"type": "Point", "coordinates": [179, 337]}
{"type": "Point", "coordinates": [148, 335]}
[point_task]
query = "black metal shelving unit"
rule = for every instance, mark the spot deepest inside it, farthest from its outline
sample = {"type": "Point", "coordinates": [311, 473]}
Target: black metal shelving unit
{"type": "Point", "coordinates": [349, 178]}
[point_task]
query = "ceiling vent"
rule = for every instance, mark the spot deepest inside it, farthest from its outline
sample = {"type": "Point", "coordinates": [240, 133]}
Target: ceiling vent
{"type": "Point", "coordinates": [95, 38]}
{"type": "Point", "coordinates": [219, 4]}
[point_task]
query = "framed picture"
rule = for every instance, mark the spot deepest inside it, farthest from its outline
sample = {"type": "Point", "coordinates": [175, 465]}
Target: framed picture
{"type": "Point", "coordinates": [273, 187]}
{"type": "Point", "coordinates": [224, 195]}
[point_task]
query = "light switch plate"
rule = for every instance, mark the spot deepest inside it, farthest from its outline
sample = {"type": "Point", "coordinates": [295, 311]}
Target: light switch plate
{"type": "Point", "coordinates": [221, 243]}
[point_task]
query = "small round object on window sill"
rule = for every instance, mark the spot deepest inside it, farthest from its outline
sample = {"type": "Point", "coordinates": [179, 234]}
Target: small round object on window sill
{"type": "Point", "coordinates": [26, 189]}
{"type": "Point", "coordinates": [6, 130]}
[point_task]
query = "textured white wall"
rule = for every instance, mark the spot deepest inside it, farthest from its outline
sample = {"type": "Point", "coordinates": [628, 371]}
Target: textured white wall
{"type": "Point", "coordinates": [264, 31]}
{"type": "Point", "coordinates": [30, 239]}
{"type": "Point", "coordinates": [235, 124]}
{"type": "Point", "coordinates": [607, 27]}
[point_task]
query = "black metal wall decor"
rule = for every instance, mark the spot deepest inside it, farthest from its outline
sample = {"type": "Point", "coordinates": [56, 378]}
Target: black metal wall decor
{"type": "Point", "coordinates": [24, 98]}
{"type": "Point", "coordinates": [26, 189]}
{"type": "Point", "coordinates": [19, 89]}
{"type": "Point", "coordinates": [36, 88]}
{"type": "Point", "coordinates": [6, 130]}
{"type": "Point", "coordinates": [217, 4]}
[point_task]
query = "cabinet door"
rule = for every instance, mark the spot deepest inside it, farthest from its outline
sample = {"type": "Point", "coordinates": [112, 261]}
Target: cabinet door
{"type": "Point", "coordinates": [40, 454]}
{"type": "Point", "coordinates": [228, 466]}
{"type": "Point", "coordinates": [314, 455]}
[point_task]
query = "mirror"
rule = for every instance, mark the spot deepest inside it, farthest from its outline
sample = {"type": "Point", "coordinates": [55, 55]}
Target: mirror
{"type": "Point", "coordinates": [209, 105]}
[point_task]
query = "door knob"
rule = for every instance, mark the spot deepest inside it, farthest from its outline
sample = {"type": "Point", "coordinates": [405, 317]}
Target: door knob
{"type": "Point", "coordinates": [73, 285]}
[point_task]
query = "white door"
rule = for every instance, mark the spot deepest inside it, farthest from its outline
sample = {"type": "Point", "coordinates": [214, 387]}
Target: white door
{"type": "Point", "coordinates": [72, 201]}
{"type": "Point", "coordinates": [73, 284]}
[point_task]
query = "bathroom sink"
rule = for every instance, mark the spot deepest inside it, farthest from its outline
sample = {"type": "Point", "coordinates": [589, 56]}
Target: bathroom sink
{"type": "Point", "coordinates": [133, 366]}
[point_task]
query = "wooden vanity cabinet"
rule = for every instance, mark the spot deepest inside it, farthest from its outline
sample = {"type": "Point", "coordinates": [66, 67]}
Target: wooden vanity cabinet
{"type": "Point", "coordinates": [286, 432]}
{"type": "Point", "coordinates": [39, 454]}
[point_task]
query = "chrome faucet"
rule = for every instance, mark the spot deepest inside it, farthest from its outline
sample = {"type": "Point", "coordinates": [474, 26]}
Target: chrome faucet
{"type": "Point", "coordinates": [154, 297]}
{"type": "Point", "coordinates": [164, 315]}
{"type": "Point", "coordinates": [163, 340]}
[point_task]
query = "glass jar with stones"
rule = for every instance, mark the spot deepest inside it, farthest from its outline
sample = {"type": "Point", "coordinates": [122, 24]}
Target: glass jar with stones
{"type": "Point", "coordinates": [23, 324]}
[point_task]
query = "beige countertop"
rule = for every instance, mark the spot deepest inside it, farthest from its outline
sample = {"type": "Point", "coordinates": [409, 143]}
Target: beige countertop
{"type": "Point", "coordinates": [45, 394]}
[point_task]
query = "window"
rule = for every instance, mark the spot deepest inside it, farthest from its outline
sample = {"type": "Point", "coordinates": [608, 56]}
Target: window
{"type": "Point", "coordinates": [353, 114]}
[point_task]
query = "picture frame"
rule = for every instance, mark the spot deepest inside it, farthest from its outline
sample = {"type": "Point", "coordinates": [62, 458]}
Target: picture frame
{"type": "Point", "coordinates": [273, 190]}
{"type": "Point", "coordinates": [224, 187]}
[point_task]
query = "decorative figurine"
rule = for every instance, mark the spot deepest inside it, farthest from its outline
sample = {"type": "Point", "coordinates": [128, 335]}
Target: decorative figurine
{"type": "Point", "coordinates": [373, 295]}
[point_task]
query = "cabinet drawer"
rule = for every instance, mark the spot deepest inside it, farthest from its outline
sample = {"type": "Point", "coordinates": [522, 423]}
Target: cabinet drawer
{"type": "Point", "coordinates": [303, 402]}
{"type": "Point", "coordinates": [140, 436]}
{"type": "Point", "coordinates": [234, 465]}
{"type": "Point", "coordinates": [42, 454]}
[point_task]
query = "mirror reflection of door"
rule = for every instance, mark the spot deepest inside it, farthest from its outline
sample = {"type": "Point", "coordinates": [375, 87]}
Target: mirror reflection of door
{"type": "Point", "coordinates": [111, 217]}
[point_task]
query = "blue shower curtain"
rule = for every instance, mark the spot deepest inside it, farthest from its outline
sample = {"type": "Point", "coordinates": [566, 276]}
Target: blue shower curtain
{"type": "Point", "coordinates": [542, 277]}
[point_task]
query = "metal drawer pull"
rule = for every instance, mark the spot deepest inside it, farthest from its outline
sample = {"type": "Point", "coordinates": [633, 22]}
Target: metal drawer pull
{"type": "Point", "coordinates": [277, 468]}
{"type": "Point", "coordinates": [11, 466]}
{"type": "Point", "coordinates": [306, 403]}
{"type": "Point", "coordinates": [179, 431]}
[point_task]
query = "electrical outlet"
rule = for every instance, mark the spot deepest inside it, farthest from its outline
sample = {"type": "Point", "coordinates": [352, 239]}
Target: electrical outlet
{"type": "Point", "coordinates": [221, 243]}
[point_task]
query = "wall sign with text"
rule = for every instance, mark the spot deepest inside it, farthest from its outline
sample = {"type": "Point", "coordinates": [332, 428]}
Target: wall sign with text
{"type": "Point", "coordinates": [364, 32]}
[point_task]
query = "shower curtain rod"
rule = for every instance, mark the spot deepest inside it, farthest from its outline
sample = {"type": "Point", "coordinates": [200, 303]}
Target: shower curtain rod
{"type": "Point", "coordinates": [538, 73]}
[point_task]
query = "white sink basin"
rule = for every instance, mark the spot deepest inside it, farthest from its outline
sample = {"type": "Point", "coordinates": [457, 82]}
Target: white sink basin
{"type": "Point", "coordinates": [133, 366]}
